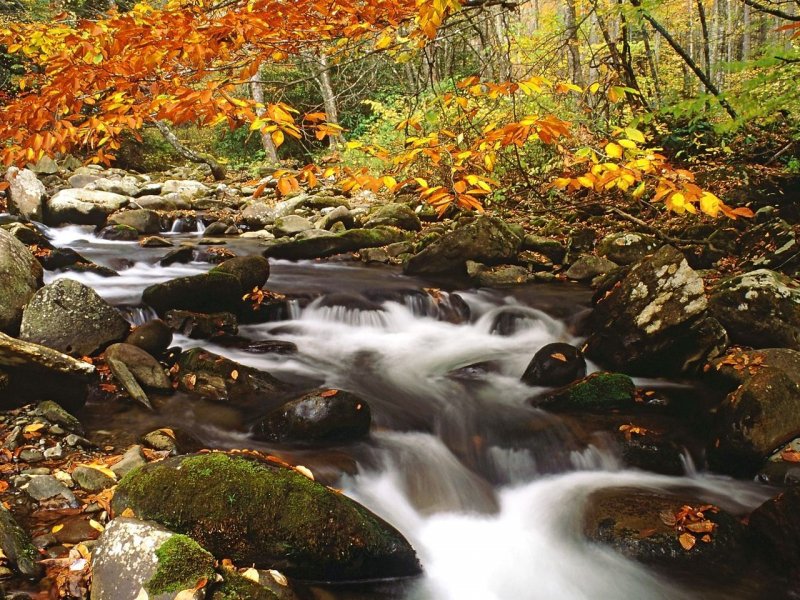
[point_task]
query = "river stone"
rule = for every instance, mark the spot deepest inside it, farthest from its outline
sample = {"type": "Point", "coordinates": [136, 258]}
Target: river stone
{"type": "Point", "coordinates": [291, 225]}
{"type": "Point", "coordinates": [258, 214]}
{"type": "Point", "coordinates": [654, 321]}
{"type": "Point", "coordinates": [485, 239]}
{"type": "Point", "coordinates": [72, 318]}
{"type": "Point", "coordinates": [25, 194]}
{"type": "Point", "coordinates": [154, 337]}
{"type": "Point", "coordinates": [631, 522]}
{"type": "Point", "coordinates": [552, 249]}
{"type": "Point", "coordinates": [135, 559]}
{"type": "Point", "coordinates": [394, 215]}
{"type": "Point", "coordinates": [498, 275]}
{"type": "Point", "coordinates": [589, 266]}
{"type": "Point", "coordinates": [81, 180]}
{"type": "Point", "coordinates": [140, 219]}
{"type": "Point", "coordinates": [554, 365]}
{"type": "Point", "coordinates": [174, 441]}
{"type": "Point", "coordinates": [166, 202]}
{"type": "Point", "coordinates": [17, 546]}
{"type": "Point", "coordinates": [146, 369]}
{"type": "Point", "coordinates": [124, 186]}
{"type": "Point", "coordinates": [155, 241]}
{"type": "Point", "coordinates": [55, 413]}
{"type": "Point", "coordinates": [202, 326]}
{"type": "Point", "coordinates": [251, 271]}
{"type": "Point", "coordinates": [187, 189]}
{"type": "Point", "coordinates": [762, 413]}
{"type": "Point", "coordinates": [264, 514]}
{"type": "Point", "coordinates": [44, 166]}
{"type": "Point", "coordinates": [20, 277]}
{"type": "Point", "coordinates": [217, 378]}
{"type": "Point", "coordinates": [118, 233]}
{"type": "Point", "coordinates": [91, 480]}
{"type": "Point", "coordinates": [340, 214]}
{"type": "Point", "coordinates": [208, 292]}
{"type": "Point", "coordinates": [598, 391]}
{"type": "Point", "coordinates": [43, 487]}
{"type": "Point", "coordinates": [331, 415]}
{"type": "Point", "coordinates": [625, 248]}
{"type": "Point", "coordinates": [759, 309]}
{"type": "Point", "coordinates": [348, 241]}
{"type": "Point", "coordinates": [83, 207]}
{"type": "Point", "coordinates": [775, 528]}
{"type": "Point", "coordinates": [132, 459]}
{"type": "Point", "coordinates": [182, 254]}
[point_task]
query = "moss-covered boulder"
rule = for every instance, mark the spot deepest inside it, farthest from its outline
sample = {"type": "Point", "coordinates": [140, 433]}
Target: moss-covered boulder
{"type": "Point", "coordinates": [237, 587]}
{"type": "Point", "coordinates": [598, 391]}
{"type": "Point", "coordinates": [348, 241]}
{"type": "Point", "coordinates": [208, 292]}
{"type": "Point", "coordinates": [260, 513]}
{"type": "Point", "coordinates": [625, 248]}
{"type": "Point", "coordinates": [251, 271]}
{"type": "Point", "coordinates": [394, 214]}
{"type": "Point", "coordinates": [17, 546]}
{"type": "Point", "coordinates": [141, 219]}
{"type": "Point", "coordinates": [20, 277]}
{"type": "Point", "coordinates": [775, 529]}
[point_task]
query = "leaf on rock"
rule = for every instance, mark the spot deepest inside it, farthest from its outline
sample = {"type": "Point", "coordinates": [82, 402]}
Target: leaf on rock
{"type": "Point", "coordinates": [687, 541]}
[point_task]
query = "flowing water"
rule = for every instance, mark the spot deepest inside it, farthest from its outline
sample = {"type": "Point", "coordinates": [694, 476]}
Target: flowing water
{"type": "Point", "coordinates": [489, 489]}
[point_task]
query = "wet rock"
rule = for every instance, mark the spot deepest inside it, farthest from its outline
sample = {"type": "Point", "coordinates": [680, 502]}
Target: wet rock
{"type": "Point", "coordinates": [155, 241]}
{"type": "Point", "coordinates": [55, 413]}
{"type": "Point", "coordinates": [625, 248]}
{"type": "Point", "coordinates": [760, 414]}
{"type": "Point", "coordinates": [154, 337]}
{"type": "Point", "coordinates": [251, 271]}
{"type": "Point", "coordinates": [394, 215]}
{"type": "Point", "coordinates": [654, 320]}
{"type": "Point", "coordinates": [217, 378]}
{"type": "Point", "coordinates": [349, 241]}
{"type": "Point", "coordinates": [330, 415]}
{"type": "Point", "coordinates": [174, 441]}
{"type": "Point", "coordinates": [72, 318]}
{"type": "Point", "coordinates": [147, 371]}
{"type": "Point", "coordinates": [497, 276]}
{"type": "Point", "coordinates": [83, 207]}
{"type": "Point", "coordinates": [555, 364]}
{"type": "Point", "coordinates": [118, 233]}
{"type": "Point", "coordinates": [20, 277]}
{"type": "Point", "coordinates": [91, 480]}
{"type": "Point", "coordinates": [31, 455]}
{"type": "Point", "coordinates": [17, 546]}
{"type": "Point", "coordinates": [552, 249]}
{"type": "Point", "coordinates": [132, 459]}
{"type": "Point", "coordinates": [374, 255]}
{"type": "Point", "coordinates": [208, 292]}
{"type": "Point", "coordinates": [598, 391]}
{"type": "Point", "coordinates": [216, 229]}
{"type": "Point", "coordinates": [760, 309]}
{"type": "Point", "coordinates": [136, 559]}
{"type": "Point", "coordinates": [258, 215]}
{"type": "Point", "coordinates": [650, 451]}
{"type": "Point", "coordinates": [237, 587]}
{"type": "Point", "coordinates": [43, 487]}
{"type": "Point", "coordinates": [291, 225]}
{"type": "Point", "coordinates": [259, 513]}
{"type": "Point", "coordinates": [140, 219]}
{"type": "Point", "coordinates": [637, 524]}
{"type": "Point", "coordinates": [182, 254]}
{"type": "Point", "coordinates": [588, 266]}
{"type": "Point", "coordinates": [775, 529]}
{"type": "Point", "coordinates": [25, 194]}
{"type": "Point", "coordinates": [202, 326]}
{"type": "Point", "coordinates": [487, 240]}
{"type": "Point", "coordinates": [28, 234]}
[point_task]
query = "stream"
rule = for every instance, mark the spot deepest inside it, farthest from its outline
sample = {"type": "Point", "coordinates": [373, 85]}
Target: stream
{"type": "Point", "coordinates": [488, 489]}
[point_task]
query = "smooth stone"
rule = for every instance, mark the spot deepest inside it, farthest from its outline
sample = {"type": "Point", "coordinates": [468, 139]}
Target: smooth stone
{"type": "Point", "coordinates": [42, 487]}
{"type": "Point", "coordinates": [91, 480]}
{"type": "Point", "coordinates": [25, 194]}
{"type": "Point", "coordinates": [20, 277]}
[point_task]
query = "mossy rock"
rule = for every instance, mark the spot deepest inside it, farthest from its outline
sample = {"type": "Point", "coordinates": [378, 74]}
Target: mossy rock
{"type": "Point", "coordinates": [260, 513]}
{"type": "Point", "coordinates": [251, 271]}
{"type": "Point", "coordinates": [208, 292]}
{"type": "Point", "coordinates": [598, 391]}
{"type": "Point", "coordinates": [349, 241]}
{"type": "Point", "coordinates": [237, 587]}
{"type": "Point", "coordinates": [182, 562]}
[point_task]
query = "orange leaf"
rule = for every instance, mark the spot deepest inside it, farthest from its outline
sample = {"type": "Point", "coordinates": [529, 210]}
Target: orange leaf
{"type": "Point", "coordinates": [329, 393]}
{"type": "Point", "coordinates": [687, 541]}
{"type": "Point", "coordinates": [559, 356]}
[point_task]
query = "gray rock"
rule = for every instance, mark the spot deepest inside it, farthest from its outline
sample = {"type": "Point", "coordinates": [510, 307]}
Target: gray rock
{"type": "Point", "coordinates": [154, 337]}
{"type": "Point", "coordinates": [378, 255]}
{"type": "Point", "coordinates": [25, 194]}
{"type": "Point", "coordinates": [349, 241]}
{"type": "Point", "coordinates": [31, 455]}
{"type": "Point", "coordinates": [155, 241]}
{"type": "Point", "coordinates": [125, 186]}
{"type": "Point", "coordinates": [208, 292]}
{"type": "Point", "coordinates": [261, 234]}
{"type": "Point", "coordinates": [251, 271]}
{"type": "Point", "coordinates": [16, 544]}
{"type": "Point", "coordinates": [71, 318]}
{"type": "Point", "coordinates": [81, 180]}
{"type": "Point", "coordinates": [288, 206]}
{"type": "Point", "coordinates": [588, 266]}
{"type": "Point", "coordinates": [313, 233]}
{"type": "Point", "coordinates": [187, 190]}
{"type": "Point", "coordinates": [626, 248]}
{"type": "Point", "coordinates": [132, 459]}
{"type": "Point", "coordinates": [499, 275]}
{"type": "Point", "coordinates": [125, 562]}
{"type": "Point", "coordinates": [291, 225]}
{"type": "Point", "coordinates": [55, 413]}
{"type": "Point", "coordinates": [20, 277]}
{"type": "Point", "coordinates": [142, 220]}
{"type": "Point", "coordinates": [760, 309]}
{"type": "Point", "coordinates": [487, 240]}
{"type": "Point", "coordinates": [202, 325]}
{"type": "Point", "coordinates": [43, 487]}
{"type": "Point", "coordinates": [145, 369]}
{"type": "Point", "coordinates": [339, 214]}
{"type": "Point", "coordinates": [394, 215]}
{"type": "Point", "coordinates": [552, 249]}
{"type": "Point", "coordinates": [166, 202]}
{"type": "Point", "coordinates": [44, 166]}
{"type": "Point", "coordinates": [83, 207]}
{"type": "Point", "coordinates": [258, 214]}
{"type": "Point", "coordinates": [91, 480]}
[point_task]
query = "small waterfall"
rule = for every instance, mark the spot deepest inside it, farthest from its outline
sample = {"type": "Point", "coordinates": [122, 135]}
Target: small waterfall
{"type": "Point", "coordinates": [138, 315]}
{"type": "Point", "coordinates": [200, 226]}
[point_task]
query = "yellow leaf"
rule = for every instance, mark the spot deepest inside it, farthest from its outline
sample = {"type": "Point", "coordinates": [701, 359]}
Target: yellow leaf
{"type": "Point", "coordinates": [252, 575]}
{"type": "Point", "coordinates": [57, 528]}
{"type": "Point", "coordinates": [34, 427]}
{"type": "Point", "coordinates": [95, 525]}
{"type": "Point", "coordinates": [629, 144]}
{"type": "Point", "coordinates": [613, 150]}
{"type": "Point", "coordinates": [384, 42]}
{"type": "Point", "coordinates": [585, 181]}
{"type": "Point", "coordinates": [634, 134]}
{"type": "Point", "coordinates": [277, 137]}
{"type": "Point", "coordinates": [687, 541]}
{"type": "Point", "coordinates": [594, 87]}
{"type": "Point", "coordinates": [710, 204]}
{"type": "Point", "coordinates": [304, 471]}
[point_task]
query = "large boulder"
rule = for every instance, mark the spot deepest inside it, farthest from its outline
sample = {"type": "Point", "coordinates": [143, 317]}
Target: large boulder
{"type": "Point", "coordinates": [25, 194]}
{"type": "Point", "coordinates": [599, 392]}
{"type": "Point", "coordinates": [154, 337]}
{"type": "Point", "coordinates": [265, 514]}
{"type": "Point", "coordinates": [147, 371]}
{"type": "Point", "coordinates": [82, 206]}
{"type": "Point", "coordinates": [140, 219]}
{"type": "Point", "coordinates": [251, 271]}
{"type": "Point", "coordinates": [625, 248]}
{"type": "Point", "coordinates": [775, 529]}
{"type": "Point", "coordinates": [72, 318]}
{"type": "Point", "coordinates": [326, 416]}
{"type": "Point", "coordinates": [17, 546]}
{"type": "Point", "coordinates": [761, 413]}
{"type": "Point", "coordinates": [349, 241]}
{"type": "Point", "coordinates": [136, 559]}
{"type": "Point", "coordinates": [291, 225]}
{"type": "Point", "coordinates": [653, 528]}
{"type": "Point", "coordinates": [759, 309]}
{"type": "Point", "coordinates": [555, 364]}
{"type": "Point", "coordinates": [654, 321]}
{"type": "Point", "coordinates": [487, 240]}
{"type": "Point", "coordinates": [20, 277]}
{"type": "Point", "coordinates": [394, 215]}
{"type": "Point", "coordinates": [208, 292]}
{"type": "Point", "coordinates": [127, 185]}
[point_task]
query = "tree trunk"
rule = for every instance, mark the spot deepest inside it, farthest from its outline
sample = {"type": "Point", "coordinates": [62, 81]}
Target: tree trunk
{"type": "Point", "coordinates": [573, 47]}
{"type": "Point", "coordinates": [701, 10]}
{"type": "Point", "coordinates": [257, 92]}
{"type": "Point", "coordinates": [217, 170]}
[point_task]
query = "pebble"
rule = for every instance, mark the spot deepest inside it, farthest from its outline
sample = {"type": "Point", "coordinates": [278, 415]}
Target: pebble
{"type": "Point", "coordinates": [36, 471]}
{"type": "Point", "coordinates": [76, 440]}
{"type": "Point", "coordinates": [91, 480]}
{"type": "Point", "coordinates": [57, 430]}
{"type": "Point", "coordinates": [12, 441]}
{"type": "Point", "coordinates": [132, 459]}
{"type": "Point", "coordinates": [54, 452]}
{"type": "Point", "coordinates": [42, 487]}
{"type": "Point", "coordinates": [31, 455]}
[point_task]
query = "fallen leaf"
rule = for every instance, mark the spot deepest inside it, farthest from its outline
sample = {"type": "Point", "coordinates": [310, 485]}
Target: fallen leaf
{"type": "Point", "coordinates": [790, 456]}
{"type": "Point", "coordinates": [668, 518]}
{"type": "Point", "coordinates": [329, 393]}
{"type": "Point", "coordinates": [33, 427]}
{"type": "Point", "coordinates": [128, 512]}
{"type": "Point", "coordinates": [701, 527]}
{"type": "Point", "coordinates": [279, 577]}
{"type": "Point", "coordinates": [57, 528]}
{"type": "Point", "coordinates": [201, 583]}
{"type": "Point", "coordinates": [304, 471]}
{"type": "Point", "coordinates": [559, 356]}
{"type": "Point", "coordinates": [687, 541]}
{"type": "Point", "coordinates": [95, 525]}
{"type": "Point", "coordinates": [251, 574]}
{"type": "Point", "coordinates": [234, 374]}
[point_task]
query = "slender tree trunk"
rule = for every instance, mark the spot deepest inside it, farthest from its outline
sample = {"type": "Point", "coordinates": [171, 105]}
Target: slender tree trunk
{"type": "Point", "coordinates": [746, 32]}
{"type": "Point", "coordinates": [573, 47]}
{"type": "Point", "coordinates": [217, 170]}
{"type": "Point", "coordinates": [701, 11]}
{"type": "Point", "coordinates": [257, 92]}
{"type": "Point", "coordinates": [653, 64]}
{"type": "Point", "coordinates": [323, 78]}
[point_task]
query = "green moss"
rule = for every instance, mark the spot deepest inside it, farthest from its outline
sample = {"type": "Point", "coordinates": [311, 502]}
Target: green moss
{"type": "Point", "coordinates": [254, 512]}
{"type": "Point", "coordinates": [597, 391]}
{"type": "Point", "coordinates": [236, 587]}
{"type": "Point", "coordinates": [182, 562]}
